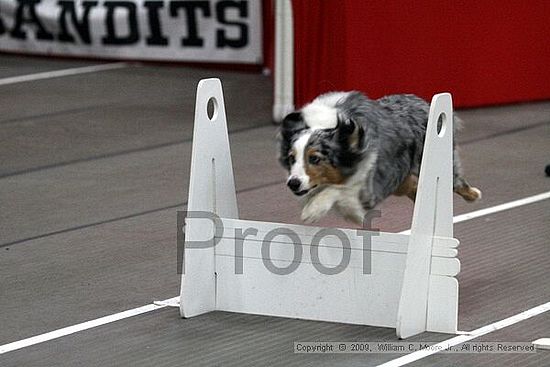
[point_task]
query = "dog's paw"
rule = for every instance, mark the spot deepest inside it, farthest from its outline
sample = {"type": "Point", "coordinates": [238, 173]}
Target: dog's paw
{"type": "Point", "coordinates": [477, 195]}
{"type": "Point", "coordinates": [315, 210]}
{"type": "Point", "coordinates": [310, 217]}
{"type": "Point", "coordinates": [311, 213]}
{"type": "Point", "coordinates": [471, 194]}
{"type": "Point", "coordinates": [357, 218]}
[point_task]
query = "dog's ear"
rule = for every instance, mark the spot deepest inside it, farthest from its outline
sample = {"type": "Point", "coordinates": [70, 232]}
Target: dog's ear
{"type": "Point", "coordinates": [292, 123]}
{"type": "Point", "coordinates": [349, 133]}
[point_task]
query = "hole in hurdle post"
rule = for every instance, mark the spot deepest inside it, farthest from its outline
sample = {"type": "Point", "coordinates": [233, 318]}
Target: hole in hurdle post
{"type": "Point", "coordinates": [212, 109]}
{"type": "Point", "coordinates": [441, 125]}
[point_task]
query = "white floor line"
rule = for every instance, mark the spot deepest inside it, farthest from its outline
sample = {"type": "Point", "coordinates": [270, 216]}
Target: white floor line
{"type": "Point", "coordinates": [64, 72]}
{"type": "Point", "coordinates": [497, 208]}
{"type": "Point", "coordinates": [161, 304]}
{"type": "Point", "coordinates": [502, 207]}
{"type": "Point", "coordinates": [80, 327]}
{"type": "Point", "coordinates": [415, 356]}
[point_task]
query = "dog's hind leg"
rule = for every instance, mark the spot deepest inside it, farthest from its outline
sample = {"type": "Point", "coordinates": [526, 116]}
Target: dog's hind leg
{"type": "Point", "coordinates": [408, 187]}
{"type": "Point", "coordinates": [460, 185]}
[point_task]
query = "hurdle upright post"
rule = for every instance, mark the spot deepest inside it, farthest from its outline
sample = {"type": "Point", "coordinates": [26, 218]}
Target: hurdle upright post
{"type": "Point", "coordinates": [433, 212]}
{"type": "Point", "coordinates": [211, 190]}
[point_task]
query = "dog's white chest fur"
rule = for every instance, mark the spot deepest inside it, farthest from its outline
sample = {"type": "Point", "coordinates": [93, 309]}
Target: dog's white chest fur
{"type": "Point", "coordinates": [345, 198]}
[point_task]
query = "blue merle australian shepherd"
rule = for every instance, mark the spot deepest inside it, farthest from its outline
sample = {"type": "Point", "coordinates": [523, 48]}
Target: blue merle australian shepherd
{"type": "Point", "coordinates": [347, 151]}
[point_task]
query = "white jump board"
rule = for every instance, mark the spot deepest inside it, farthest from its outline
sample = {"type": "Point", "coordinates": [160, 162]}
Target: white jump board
{"type": "Point", "coordinates": [348, 297]}
{"type": "Point", "coordinates": [406, 281]}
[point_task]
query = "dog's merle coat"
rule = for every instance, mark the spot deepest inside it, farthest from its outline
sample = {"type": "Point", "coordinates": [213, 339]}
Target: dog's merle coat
{"type": "Point", "coordinates": [354, 138]}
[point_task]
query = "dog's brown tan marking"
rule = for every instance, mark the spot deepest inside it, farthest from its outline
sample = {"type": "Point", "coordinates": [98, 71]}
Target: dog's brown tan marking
{"type": "Point", "coordinates": [469, 193]}
{"type": "Point", "coordinates": [323, 172]}
{"type": "Point", "coordinates": [408, 187]}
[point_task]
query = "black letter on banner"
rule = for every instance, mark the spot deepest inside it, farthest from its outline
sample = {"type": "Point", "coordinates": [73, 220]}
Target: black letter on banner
{"type": "Point", "coordinates": [31, 18]}
{"type": "Point", "coordinates": [346, 251]}
{"type": "Point", "coordinates": [266, 251]}
{"type": "Point", "coordinates": [133, 33]}
{"type": "Point", "coordinates": [192, 38]}
{"type": "Point", "coordinates": [240, 236]}
{"type": "Point", "coordinates": [221, 11]}
{"type": "Point", "coordinates": [82, 26]}
{"type": "Point", "coordinates": [156, 38]}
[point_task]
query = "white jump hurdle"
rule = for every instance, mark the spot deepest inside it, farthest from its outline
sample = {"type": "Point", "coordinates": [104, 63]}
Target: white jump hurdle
{"type": "Point", "coordinates": [410, 279]}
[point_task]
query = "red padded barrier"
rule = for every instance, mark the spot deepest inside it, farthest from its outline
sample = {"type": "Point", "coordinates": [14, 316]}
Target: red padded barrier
{"type": "Point", "coordinates": [483, 52]}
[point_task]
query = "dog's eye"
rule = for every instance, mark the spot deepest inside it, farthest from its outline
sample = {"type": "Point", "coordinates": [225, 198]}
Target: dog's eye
{"type": "Point", "coordinates": [314, 159]}
{"type": "Point", "coordinates": [291, 160]}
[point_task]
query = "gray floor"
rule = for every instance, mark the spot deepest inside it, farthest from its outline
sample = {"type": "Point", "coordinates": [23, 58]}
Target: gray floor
{"type": "Point", "coordinates": [94, 167]}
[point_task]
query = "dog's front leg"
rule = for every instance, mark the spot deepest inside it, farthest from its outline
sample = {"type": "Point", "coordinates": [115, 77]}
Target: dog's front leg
{"type": "Point", "coordinates": [352, 211]}
{"type": "Point", "coordinates": [319, 205]}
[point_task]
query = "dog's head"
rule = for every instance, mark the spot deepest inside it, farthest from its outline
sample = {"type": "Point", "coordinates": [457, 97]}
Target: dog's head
{"type": "Point", "coordinates": [316, 155]}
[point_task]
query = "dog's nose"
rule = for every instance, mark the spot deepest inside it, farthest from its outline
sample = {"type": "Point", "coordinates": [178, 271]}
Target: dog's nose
{"type": "Point", "coordinates": [294, 183]}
